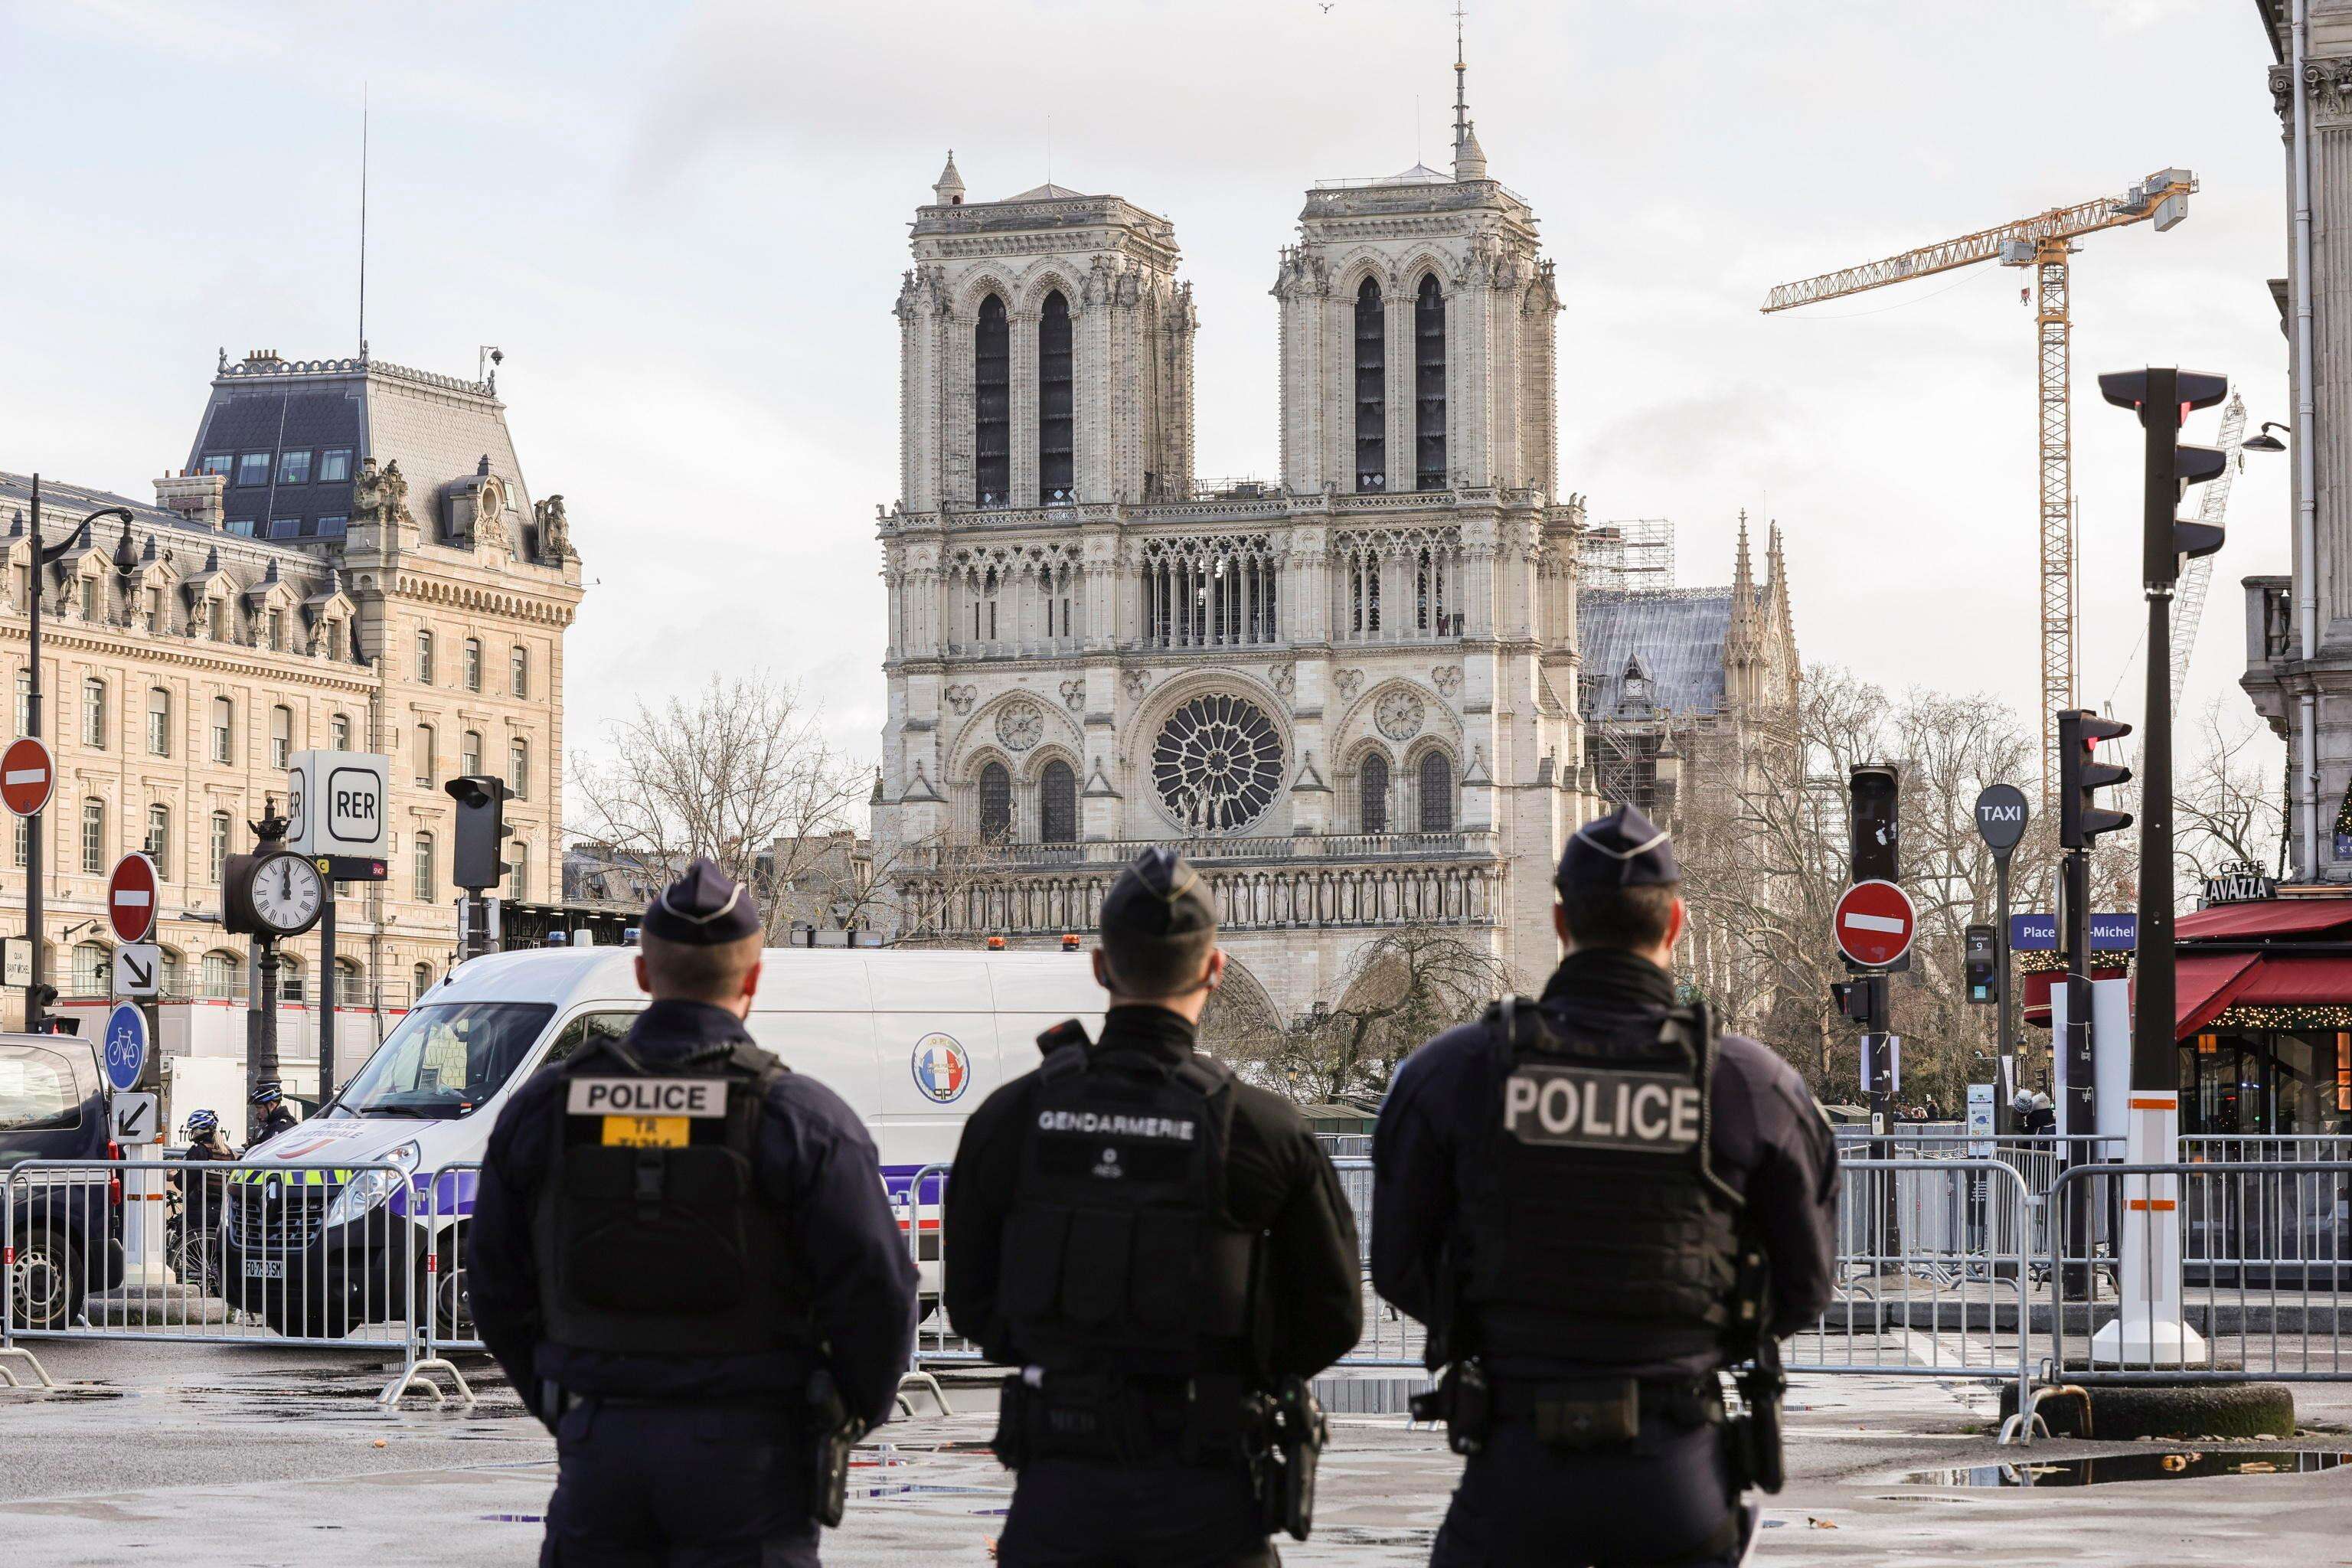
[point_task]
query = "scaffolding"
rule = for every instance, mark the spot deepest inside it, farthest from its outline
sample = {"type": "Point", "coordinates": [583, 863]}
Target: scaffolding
{"type": "Point", "coordinates": [1636, 555]}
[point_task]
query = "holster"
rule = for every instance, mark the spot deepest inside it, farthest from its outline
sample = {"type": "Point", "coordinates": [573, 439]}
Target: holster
{"type": "Point", "coordinates": [1753, 1439]}
{"type": "Point", "coordinates": [1012, 1440]}
{"type": "Point", "coordinates": [836, 1432]}
{"type": "Point", "coordinates": [1284, 1466]}
{"type": "Point", "coordinates": [1464, 1401]}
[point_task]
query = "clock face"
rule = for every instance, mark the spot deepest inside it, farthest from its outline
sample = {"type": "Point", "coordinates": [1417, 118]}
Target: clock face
{"type": "Point", "coordinates": [288, 893]}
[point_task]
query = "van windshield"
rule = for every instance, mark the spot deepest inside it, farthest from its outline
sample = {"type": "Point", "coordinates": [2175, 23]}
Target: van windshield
{"type": "Point", "coordinates": [444, 1059]}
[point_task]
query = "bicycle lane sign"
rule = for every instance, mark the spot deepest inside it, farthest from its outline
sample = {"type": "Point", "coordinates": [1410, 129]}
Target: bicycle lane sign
{"type": "Point", "coordinates": [126, 1046]}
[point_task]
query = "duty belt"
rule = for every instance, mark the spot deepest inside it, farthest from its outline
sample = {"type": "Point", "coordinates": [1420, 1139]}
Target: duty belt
{"type": "Point", "coordinates": [1098, 1415]}
{"type": "Point", "coordinates": [1599, 1411]}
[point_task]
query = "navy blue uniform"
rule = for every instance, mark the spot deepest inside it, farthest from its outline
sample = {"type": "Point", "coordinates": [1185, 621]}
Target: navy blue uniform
{"type": "Point", "coordinates": [700, 1459]}
{"type": "Point", "coordinates": [1309, 1311]}
{"type": "Point", "coordinates": [1669, 1497]}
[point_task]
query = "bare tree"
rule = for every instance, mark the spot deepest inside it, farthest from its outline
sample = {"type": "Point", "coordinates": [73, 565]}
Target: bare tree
{"type": "Point", "coordinates": [742, 773]}
{"type": "Point", "coordinates": [1403, 987]}
{"type": "Point", "coordinates": [2226, 806]}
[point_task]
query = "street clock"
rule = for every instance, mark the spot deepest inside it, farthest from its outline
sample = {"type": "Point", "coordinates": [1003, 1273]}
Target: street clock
{"type": "Point", "coordinates": [277, 894]}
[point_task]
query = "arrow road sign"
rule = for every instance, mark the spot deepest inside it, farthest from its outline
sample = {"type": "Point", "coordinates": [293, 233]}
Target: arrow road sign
{"type": "Point", "coordinates": [26, 776]}
{"type": "Point", "coordinates": [131, 897]}
{"type": "Point", "coordinates": [126, 1045]}
{"type": "Point", "coordinates": [1874, 922]}
{"type": "Point", "coordinates": [138, 1118]}
{"type": "Point", "coordinates": [138, 966]}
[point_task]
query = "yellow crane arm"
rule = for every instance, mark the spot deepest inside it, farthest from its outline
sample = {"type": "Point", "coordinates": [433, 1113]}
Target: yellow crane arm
{"type": "Point", "coordinates": [2162, 196]}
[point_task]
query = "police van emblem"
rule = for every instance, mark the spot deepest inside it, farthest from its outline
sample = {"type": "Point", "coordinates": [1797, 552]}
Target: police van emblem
{"type": "Point", "coordinates": [1595, 1108]}
{"type": "Point", "coordinates": [942, 1069]}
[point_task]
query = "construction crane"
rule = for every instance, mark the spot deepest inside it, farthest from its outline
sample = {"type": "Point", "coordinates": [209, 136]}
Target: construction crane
{"type": "Point", "coordinates": [2188, 599]}
{"type": "Point", "coordinates": [2041, 242]}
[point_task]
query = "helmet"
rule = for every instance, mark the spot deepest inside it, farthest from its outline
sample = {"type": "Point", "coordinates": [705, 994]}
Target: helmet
{"type": "Point", "coordinates": [203, 1123]}
{"type": "Point", "coordinates": [268, 1090]}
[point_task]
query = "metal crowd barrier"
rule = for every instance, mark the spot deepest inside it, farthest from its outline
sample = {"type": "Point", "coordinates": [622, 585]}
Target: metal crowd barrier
{"type": "Point", "coordinates": [920, 1207]}
{"type": "Point", "coordinates": [1933, 1277]}
{"type": "Point", "coordinates": [293, 1253]}
{"type": "Point", "coordinates": [2265, 1251]}
{"type": "Point", "coordinates": [439, 1207]}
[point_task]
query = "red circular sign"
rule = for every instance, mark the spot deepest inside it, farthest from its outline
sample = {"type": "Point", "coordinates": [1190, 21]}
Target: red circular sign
{"type": "Point", "coordinates": [131, 897]}
{"type": "Point", "coordinates": [26, 776]}
{"type": "Point", "coordinates": [1873, 923]}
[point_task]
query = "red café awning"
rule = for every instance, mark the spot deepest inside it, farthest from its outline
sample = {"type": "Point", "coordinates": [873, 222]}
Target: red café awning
{"type": "Point", "coordinates": [2210, 981]}
{"type": "Point", "coordinates": [2274, 917]}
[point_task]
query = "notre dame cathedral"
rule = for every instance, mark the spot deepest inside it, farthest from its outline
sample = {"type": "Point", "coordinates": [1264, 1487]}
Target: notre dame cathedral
{"type": "Point", "coordinates": [1350, 695]}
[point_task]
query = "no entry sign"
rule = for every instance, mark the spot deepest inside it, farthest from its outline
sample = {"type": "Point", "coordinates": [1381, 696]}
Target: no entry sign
{"type": "Point", "coordinates": [131, 897]}
{"type": "Point", "coordinates": [26, 776]}
{"type": "Point", "coordinates": [1873, 923]}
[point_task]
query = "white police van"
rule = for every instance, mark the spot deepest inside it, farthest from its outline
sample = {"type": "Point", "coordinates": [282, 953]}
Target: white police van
{"type": "Point", "coordinates": [913, 1040]}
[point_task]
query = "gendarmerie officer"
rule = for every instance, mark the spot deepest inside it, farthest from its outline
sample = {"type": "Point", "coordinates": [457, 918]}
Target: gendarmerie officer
{"type": "Point", "coordinates": [682, 1255]}
{"type": "Point", "coordinates": [1596, 1204]}
{"type": "Point", "coordinates": [1165, 1253]}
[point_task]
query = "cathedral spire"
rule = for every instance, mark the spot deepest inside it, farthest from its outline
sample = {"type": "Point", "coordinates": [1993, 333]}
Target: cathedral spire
{"type": "Point", "coordinates": [949, 188]}
{"type": "Point", "coordinates": [1469, 159]}
{"type": "Point", "coordinates": [1743, 577]}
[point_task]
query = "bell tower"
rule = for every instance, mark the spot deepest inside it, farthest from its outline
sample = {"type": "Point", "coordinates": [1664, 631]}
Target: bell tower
{"type": "Point", "coordinates": [1045, 354]}
{"type": "Point", "coordinates": [1417, 332]}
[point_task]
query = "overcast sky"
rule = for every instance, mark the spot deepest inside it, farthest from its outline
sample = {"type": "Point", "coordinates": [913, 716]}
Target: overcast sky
{"type": "Point", "coordinates": [685, 226]}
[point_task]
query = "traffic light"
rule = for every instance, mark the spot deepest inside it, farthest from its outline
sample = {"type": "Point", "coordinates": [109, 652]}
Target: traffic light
{"type": "Point", "coordinates": [2081, 818]}
{"type": "Point", "coordinates": [481, 802]}
{"type": "Point", "coordinates": [1852, 998]}
{"type": "Point", "coordinates": [1979, 959]}
{"type": "Point", "coordinates": [2163, 397]}
{"type": "Point", "coordinates": [1874, 820]}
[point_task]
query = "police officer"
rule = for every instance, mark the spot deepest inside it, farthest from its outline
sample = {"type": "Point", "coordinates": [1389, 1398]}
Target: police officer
{"type": "Point", "coordinates": [682, 1255]}
{"type": "Point", "coordinates": [270, 1114]}
{"type": "Point", "coordinates": [1590, 1199]}
{"type": "Point", "coordinates": [1164, 1251]}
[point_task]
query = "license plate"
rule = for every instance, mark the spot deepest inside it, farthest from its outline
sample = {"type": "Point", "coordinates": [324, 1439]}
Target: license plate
{"type": "Point", "coordinates": [257, 1268]}
{"type": "Point", "coordinates": [646, 1132]}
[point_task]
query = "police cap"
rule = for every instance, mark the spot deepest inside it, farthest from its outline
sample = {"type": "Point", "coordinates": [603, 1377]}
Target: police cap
{"type": "Point", "coordinates": [1159, 897]}
{"type": "Point", "coordinates": [1623, 850]}
{"type": "Point", "coordinates": [704, 907]}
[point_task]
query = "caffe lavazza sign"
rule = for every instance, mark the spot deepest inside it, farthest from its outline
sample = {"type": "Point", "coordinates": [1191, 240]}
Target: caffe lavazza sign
{"type": "Point", "coordinates": [2238, 882]}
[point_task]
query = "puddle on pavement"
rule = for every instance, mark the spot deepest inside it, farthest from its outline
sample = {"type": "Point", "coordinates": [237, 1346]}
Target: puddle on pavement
{"type": "Point", "coordinates": [918, 1488]}
{"type": "Point", "coordinates": [68, 1395]}
{"type": "Point", "coordinates": [515, 1518]}
{"type": "Point", "coordinates": [2160, 1467]}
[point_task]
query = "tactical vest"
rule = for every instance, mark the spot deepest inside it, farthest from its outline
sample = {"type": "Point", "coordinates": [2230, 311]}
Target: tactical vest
{"type": "Point", "coordinates": [1602, 1233]}
{"type": "Point", "coordinates": [1117, 1254]}
{"type": "Point", "coordinates": [654, 1237]}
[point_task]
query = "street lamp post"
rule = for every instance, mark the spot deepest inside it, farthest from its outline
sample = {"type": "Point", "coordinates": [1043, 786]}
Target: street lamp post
{"type": "Point", "coordinates": [42, 556]}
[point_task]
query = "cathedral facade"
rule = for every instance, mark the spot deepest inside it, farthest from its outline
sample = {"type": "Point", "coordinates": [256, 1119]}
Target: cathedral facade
{"type": "Point", "coordinates": [1348, 694]}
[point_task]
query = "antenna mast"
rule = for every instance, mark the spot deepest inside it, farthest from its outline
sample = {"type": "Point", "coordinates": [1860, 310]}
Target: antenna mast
{"type": "Point", "coordinates": [1461, 77]}
{"type": "Point", "coordinates": [363, 195]}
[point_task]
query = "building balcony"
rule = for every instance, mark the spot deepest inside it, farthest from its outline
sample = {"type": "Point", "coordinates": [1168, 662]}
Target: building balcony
{"type": "Point", "coordinates": [1342, 880]}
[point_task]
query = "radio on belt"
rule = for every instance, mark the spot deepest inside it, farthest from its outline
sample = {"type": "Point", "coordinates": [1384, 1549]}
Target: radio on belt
{"type": "Point", "coordinates": [647, 1097]}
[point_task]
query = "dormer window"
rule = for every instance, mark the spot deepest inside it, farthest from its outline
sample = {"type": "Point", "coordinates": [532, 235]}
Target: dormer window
{"type": "Point", "coordinates": [89, 598]}
{"type": "Point", "coordinates": [1637, 696]}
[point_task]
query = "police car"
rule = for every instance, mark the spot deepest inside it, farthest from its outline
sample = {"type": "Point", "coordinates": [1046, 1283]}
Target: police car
{"type": "Point", "coordinates": [320, 1236]}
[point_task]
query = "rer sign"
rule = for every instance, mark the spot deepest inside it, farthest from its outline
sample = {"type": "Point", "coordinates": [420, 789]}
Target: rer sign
{"type": "Point", "coordinates": [336, 803]}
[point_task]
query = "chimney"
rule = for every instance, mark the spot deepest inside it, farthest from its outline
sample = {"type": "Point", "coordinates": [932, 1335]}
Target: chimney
{"type": "Point", "coordinates": [196, 497]}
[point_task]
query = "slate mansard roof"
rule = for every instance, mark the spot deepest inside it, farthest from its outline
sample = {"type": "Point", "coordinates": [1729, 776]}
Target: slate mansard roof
{"type": "Point", "coordinates": [440, 430]}
{"type": "Point", "coordinates": [161, 548]}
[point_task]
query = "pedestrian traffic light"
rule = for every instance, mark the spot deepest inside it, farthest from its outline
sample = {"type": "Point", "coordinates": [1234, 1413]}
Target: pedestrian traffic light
{"type": "Point", "coordinates": [1852, 998]}
{"type": "Point", "coordinates": [1875, 821]}
{"type": "Point", "coordinates": [1979, 959]}
{"type": "Point", "coordinates": [2081, 818]}
{"type": "Point", "coordinates": [481, 830]}
{"type": "Point", "coordinates": [2163, 397]}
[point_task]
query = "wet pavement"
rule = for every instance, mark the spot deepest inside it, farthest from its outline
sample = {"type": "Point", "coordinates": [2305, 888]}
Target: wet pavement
{"type": "Point", "coordinates": [242, 1455]}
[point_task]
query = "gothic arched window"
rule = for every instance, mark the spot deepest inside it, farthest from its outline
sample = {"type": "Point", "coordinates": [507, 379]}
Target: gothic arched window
{"type": "Point", "coordinates": [1428, 386]}
{"type": "Point", "coordinates": [1373, 799]}
{"type": "Point", "coordinates": [1058, 805]}
{"type": "Point", "coordinates": [1371, 389]}
{"type": "Point", "coordinates": [991, 406]}
{"type": "Point", "coordinates": [995, 803]}
{"type": "Point", "coordinates": [1436, 792]}
{"type": "Point", "coordinates": [1055, 450]}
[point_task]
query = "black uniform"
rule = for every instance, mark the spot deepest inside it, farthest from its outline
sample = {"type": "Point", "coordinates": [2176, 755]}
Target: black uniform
{"type": "Point", "coordinates": [669, 1296]}
{"type": "Point", "coordinates": [1565, 1191]}
{"type": "Point", "coordinates": [1117, 1308]}
{"type": "Point", "coordinates": [280, 1118]}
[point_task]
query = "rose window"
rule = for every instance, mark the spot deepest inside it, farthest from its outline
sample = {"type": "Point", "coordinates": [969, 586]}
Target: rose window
{"type": "Point", "coordinates": [1217, 763]}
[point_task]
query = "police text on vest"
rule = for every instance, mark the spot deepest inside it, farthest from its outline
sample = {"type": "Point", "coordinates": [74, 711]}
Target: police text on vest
{"type": "Point", "coordinates": [1113, 1124]}
{"type": "Point", "coordinates": [647, 1097]}
{"type": "Point", "coordinates": [1595, 1107]}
